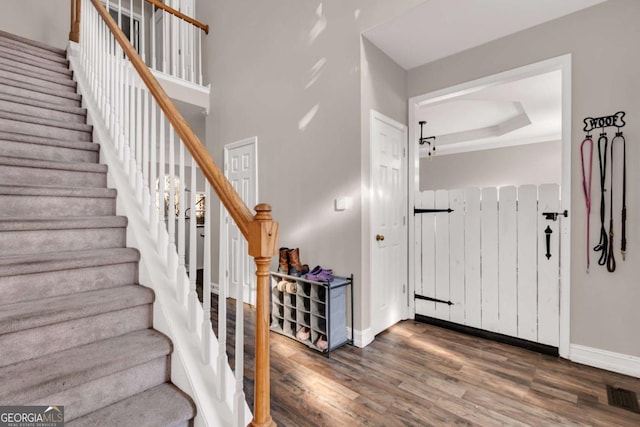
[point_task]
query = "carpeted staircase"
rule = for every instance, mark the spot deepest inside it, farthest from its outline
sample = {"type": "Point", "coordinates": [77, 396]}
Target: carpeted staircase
{"type": "Point", "coordinates": [75, 327]}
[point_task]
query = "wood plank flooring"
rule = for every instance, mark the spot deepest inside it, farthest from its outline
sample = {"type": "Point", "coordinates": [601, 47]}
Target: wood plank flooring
{"type": "Point", "coordinates": [420, 375]}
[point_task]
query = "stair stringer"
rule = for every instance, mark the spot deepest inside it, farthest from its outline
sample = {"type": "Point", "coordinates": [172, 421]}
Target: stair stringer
{"type": "Point", "coordinates": [188, 370]}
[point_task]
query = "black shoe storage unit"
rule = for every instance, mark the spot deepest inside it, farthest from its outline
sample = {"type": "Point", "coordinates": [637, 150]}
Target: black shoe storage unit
{"type": "Point", "coordinates": [319, 306]}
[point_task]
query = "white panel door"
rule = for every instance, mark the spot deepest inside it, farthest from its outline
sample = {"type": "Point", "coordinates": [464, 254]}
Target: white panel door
{"type": "Point", "coordinates": [241, 170]}
{"type": "Point", "coordinates": [388, 223]}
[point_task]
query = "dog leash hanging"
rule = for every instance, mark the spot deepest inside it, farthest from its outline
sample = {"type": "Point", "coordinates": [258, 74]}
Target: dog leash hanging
{"type": "Point", "coordinates": [611, 259]}
{"type": "Point", "coordinates": [603, 244]}
{"type": "Point", "coordinates": [586, 188]}
{"type": "Point", "coordinates": [623, 228]}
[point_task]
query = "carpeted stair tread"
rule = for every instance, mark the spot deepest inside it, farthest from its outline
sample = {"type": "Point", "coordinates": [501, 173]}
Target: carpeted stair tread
{"type": "Point", "coordinates": [161, 406]}
{"type": "Point", "coordinates": [8, 55]}
{"type": "Point", "coordinates": [37, 313]}
{"type": "Point", "coordinates": [48, 164]}
{"type": "Point", "coordinates": [81, 127]}
{"type": "Point", "coordinates": [65, 260]}
{"type": "Point", "coordinates": [39, 55]}
{"type": "Point", "coordinates": [61, 223]}
{"type": "Point", "coordinates": [69, 109]}
{"type": "Point", "coordinates": [60, 73]}
{"type": "Point", "coordinates": [29, 380]}
{"type": "Point", "coordinates": [38, 81]}
{"type": "Point", "coordinates": [25, 41]}
{"type": "Point", "coordinates": [63, 143]}
{"type": "Point", "coordinates": [29, 88]}
{"type": "Point", "coordinates": [43, 79]}
{"type": "Point", "coordinates": [35, 190]}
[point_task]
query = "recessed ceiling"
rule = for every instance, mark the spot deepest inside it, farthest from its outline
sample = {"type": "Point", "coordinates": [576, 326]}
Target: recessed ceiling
{"type": "Point", "coordinates": [438, 28]}
{"type": "Point", "coordinates": [525, 111]}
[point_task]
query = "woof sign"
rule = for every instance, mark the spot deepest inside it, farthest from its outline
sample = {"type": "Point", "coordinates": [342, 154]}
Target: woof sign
{"type": "Point", "coordinates": [616, 120]}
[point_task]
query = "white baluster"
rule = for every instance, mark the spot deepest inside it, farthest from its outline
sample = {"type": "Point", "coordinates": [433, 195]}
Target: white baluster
{"type": "Point", "coordinates": [239, 397]}
{"type": "Point", "coordinates": [165, 41]}
{"type": "Point", "coordinates": [153, 37]}
{"type": "Point", "coordinates": [206, 286]}
{"type": "Point", "coordinates": [222, 340]}
{"type": "Point", "coordinates": [171, 217]}
{"type": "Point", "coordinates": [183, 50]}
{"type": "Point", "coordinates": [162, 230]}
{"type": "Point", "coordinates": [200, 57]}
{"type": "Point", "coordinates": [145, 156]}
{"type": "Point", "coordinates": [143, 48]}
{"type": "Point", "coordinates": [133, 175]}
{"type": "Point", "coordinates": [139, 141]}
{"type": "Point", "coordinates": [127, 119]}
{"type": "Point", "coordinates": [153, 209]}
{"type": "Point", "coordinates": [193, 252]}
{"type": "Point", "coordinates": [182, 272]}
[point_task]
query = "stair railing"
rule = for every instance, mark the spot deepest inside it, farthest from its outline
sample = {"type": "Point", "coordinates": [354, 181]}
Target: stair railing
{"type": "Point", "coordinates": [144, 124]}
{"type": "Point", "coordinates": [174, 42]}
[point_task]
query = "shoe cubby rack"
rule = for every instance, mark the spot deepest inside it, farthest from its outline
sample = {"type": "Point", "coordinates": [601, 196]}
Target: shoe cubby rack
{"type": "Point", "coordinates": [319, 306]}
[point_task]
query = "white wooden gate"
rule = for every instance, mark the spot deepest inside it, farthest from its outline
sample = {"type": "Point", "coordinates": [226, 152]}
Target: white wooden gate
{"type": "Point", "coordinates": [489, 259]}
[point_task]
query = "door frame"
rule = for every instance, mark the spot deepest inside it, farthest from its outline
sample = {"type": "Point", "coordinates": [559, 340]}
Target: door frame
{"type": "Point", "coordinates": [563, 64]}
{"type": "Point", "coordinates": [223, 278]}
{"type": "Point", "coordinates": [367, 240]}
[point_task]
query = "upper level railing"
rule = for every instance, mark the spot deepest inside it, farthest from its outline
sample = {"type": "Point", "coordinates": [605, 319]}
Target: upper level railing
{"type": "Point", "coordinates": [167, 39]}
{"type": "Point", "coordinates": [148, 131]}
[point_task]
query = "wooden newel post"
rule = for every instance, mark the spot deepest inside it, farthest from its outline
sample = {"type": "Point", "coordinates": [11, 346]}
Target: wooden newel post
{"type": "Point", "coordinates": [263, 245]}
{"type": "Point", "coordinates": [74, 33]}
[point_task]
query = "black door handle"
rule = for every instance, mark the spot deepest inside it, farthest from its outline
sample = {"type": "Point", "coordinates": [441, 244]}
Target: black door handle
{"type": "Point", "coordinates": [547, 233]}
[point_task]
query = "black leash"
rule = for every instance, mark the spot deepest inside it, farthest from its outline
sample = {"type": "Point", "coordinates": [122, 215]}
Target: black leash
{"type": "Point", "coordinates": [611, 259]}
{"type": "Point", "coordinates": [623, 228]}
{"type": "Point", "coordinates": [602, 245]}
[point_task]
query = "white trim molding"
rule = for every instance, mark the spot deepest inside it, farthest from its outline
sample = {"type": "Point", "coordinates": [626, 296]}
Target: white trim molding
{"type": "Point", "coordinates": [604, 359]}
{"type": "Point", "coordinates": [361, 339]}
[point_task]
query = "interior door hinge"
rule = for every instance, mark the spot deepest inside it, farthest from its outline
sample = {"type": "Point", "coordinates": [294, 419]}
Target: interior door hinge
{"type": "Point", "coordinates": [404, 288]}
{"type": "Point", "coordinates": [226, 273]}
{"type": "Point", "coordinates": [404, 152]}
{"type": "Point", "coordinates": [404, 220]}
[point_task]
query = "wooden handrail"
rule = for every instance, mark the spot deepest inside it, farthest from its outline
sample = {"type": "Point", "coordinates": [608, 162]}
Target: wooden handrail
{"type": "Point", "coordinates": [179, 14]}
{"type": "Point", "coordinates": [74, 32]}
{"type": "Point", "coordinates": [227, 194]}
{"type": "Point", "coordinates": [260, 230]}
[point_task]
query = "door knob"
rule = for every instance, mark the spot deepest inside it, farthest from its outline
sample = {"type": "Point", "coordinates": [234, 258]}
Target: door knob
{"type": "Point", "coordinates": [379, 237]}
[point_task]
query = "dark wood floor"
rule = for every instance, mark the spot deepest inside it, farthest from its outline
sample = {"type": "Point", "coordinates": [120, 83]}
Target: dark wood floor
{"type": "Point", "coordinates": [420, 375]}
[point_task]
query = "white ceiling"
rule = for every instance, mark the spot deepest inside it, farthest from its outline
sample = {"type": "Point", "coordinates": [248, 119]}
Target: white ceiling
{"type": "Point", "coordinates": [439, 28]}
{"type": "Point", "coordinates": [525, 111]}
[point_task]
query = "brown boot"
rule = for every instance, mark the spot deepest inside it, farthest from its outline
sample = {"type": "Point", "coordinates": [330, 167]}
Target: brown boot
{"type": "Point", "coordinates": [284, 261]}
{"type": "Point", "coordinates": [295, 266]}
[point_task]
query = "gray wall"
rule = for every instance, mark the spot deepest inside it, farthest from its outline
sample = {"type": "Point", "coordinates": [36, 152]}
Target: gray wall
{"type": "Point", "coordinates": [603, 42]}
{"type": "Point", "coordinates": [260, 58]}
{"type": "Point", "coordinates": [523, 164]}
{"type": "Point", "coordinates": [46, 21]}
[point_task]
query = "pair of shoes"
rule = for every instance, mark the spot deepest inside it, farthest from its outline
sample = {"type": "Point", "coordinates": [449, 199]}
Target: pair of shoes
{"type": "Point", "coordinates": [289, 262]}
{"type": "Point", "coordinates": [303, 334]}
{"type": "Point", "coordinates": [318, 274]}
{"type": "Point", "coordinates": [322, 343]}
{"type": "Point", "coordinates": [287, 286]}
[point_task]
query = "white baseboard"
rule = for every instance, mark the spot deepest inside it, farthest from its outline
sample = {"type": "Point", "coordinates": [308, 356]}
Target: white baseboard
{"type": "Point", "coordinates": [361, 339]}
{"type": "Point", "coordinates": [604, 359]}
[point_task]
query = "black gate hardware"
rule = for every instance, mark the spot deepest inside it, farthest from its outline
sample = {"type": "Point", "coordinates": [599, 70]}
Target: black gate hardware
{"type": "Point", "coordinates": [420, 211]}
{"type": "Point", "coordinates": [422, 297]}
{"type": "Point", "coordinates": [553, 216]}
{"type": "Point", "coordinates": [548, 232]}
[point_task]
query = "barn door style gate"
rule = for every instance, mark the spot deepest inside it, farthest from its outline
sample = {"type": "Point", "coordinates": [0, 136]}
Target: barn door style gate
{"type": "Point", "coordinates": [490, 259]}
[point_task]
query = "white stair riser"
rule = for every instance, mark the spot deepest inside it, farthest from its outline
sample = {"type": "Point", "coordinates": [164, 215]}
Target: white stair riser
{"type": "Point", "coordinates": [46, 284]}
{"type": "Point", "coordinates": [16, 206]}
{"type": "Point", "coordinates": [46, 152]}
{"type": "Point", "coordinates": [34, 176]}
{"type": "Point", "coordinates": [36, 241]}
{"type": "Point", "coordinates": [36, 342]}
